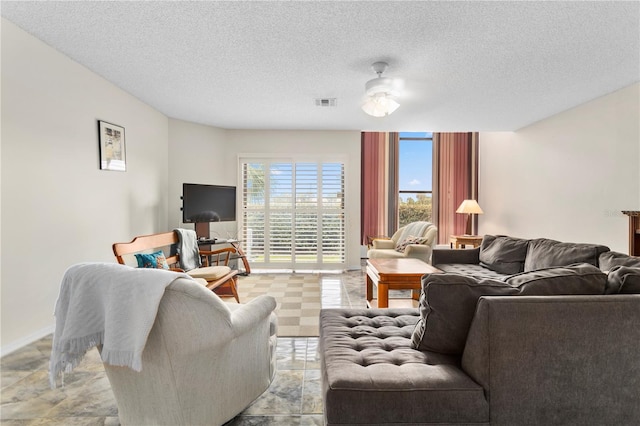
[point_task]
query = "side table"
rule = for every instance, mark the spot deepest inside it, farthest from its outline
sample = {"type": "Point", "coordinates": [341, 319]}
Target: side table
{"type": "Point", "coordinates": [461, 241]}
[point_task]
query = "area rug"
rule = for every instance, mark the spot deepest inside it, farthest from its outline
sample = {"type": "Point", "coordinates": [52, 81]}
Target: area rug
{"type": "Point", "coordinates": [298, 297]}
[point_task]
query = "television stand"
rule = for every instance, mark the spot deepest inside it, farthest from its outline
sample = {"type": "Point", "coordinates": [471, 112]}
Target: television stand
{"type": "Point", "coordinates": [204, 239]}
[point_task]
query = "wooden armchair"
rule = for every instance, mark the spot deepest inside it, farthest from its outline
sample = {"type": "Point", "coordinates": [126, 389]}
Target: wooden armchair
{"type": "Point", "coordinates": [219, 277]}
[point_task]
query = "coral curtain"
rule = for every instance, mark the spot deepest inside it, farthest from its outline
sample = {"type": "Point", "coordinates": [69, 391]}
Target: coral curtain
{"type": "Point", "coordinates": [455, 179]}
{"type": "Point", "coordinates": [373, 185]}
{"type": "Point", "coordinates": [392, 190]}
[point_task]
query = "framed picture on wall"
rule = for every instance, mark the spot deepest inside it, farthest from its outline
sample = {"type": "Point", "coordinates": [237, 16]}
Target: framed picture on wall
{"type": "Point", "coordinates": [112, 148]}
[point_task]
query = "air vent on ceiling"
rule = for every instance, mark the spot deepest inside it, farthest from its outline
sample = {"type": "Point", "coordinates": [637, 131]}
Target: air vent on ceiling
{"type": "Point", "coordinates": [326, 102]}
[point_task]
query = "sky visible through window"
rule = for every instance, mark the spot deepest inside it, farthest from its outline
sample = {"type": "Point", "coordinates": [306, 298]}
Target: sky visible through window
{"type": "Point", "coordinates": [415, 162]}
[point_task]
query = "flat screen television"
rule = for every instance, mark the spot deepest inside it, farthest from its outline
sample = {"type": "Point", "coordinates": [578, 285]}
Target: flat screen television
{"type": "Point", "coordinates": [208, 203]}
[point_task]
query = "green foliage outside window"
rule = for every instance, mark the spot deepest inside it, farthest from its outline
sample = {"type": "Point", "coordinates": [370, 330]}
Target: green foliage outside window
{"type": "Point", "coordinates": [415, 209]}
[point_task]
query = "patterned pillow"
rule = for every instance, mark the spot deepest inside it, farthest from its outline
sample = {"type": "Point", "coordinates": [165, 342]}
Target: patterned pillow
{"type": "Point", "coordinates": [402, 245]}
{"type": "Point", "coordinates": [152, 260]}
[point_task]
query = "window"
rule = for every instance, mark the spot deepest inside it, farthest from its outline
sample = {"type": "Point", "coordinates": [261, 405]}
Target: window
{"type": "Point", "coordinates": [415, 165]}
{"type": "Point", "coordinates": [293, 213]}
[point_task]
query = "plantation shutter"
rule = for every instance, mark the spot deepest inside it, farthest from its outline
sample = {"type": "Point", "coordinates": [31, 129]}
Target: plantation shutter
{"type": "Point", "coordinates": [293, 214]}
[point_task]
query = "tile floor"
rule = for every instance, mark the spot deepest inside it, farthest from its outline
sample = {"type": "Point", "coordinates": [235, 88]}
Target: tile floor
{"type": "Point", "coordinates": [294, 397]}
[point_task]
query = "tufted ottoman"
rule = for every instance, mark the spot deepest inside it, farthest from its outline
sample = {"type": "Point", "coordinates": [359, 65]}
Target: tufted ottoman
{"type": "Point", "coordinates": [371, 375]}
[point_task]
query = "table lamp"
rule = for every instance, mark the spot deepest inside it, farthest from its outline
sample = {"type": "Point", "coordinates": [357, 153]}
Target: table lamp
{"type": "Point", "coordinates": [469, 207]}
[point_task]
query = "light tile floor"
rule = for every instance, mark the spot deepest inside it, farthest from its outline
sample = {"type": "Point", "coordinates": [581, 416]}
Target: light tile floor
{"type": "Point", "coordinates": [294, 398]}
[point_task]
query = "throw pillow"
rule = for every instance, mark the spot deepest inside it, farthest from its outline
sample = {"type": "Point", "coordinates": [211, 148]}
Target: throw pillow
{"type": "Point", "coordinates": [503, 254]}
{"type": "Point", "coordinates": [402, 245]}
{"type": "Point", "coordinates": [152, 260]}
{"type": "Point", "coordinates": [448, 301]}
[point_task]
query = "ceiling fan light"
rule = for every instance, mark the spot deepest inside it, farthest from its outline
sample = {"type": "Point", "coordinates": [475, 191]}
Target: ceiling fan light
{"type": "Point", "coordinates": [381, 93]}
{"type": "Point", "coordinates": [380, 105]}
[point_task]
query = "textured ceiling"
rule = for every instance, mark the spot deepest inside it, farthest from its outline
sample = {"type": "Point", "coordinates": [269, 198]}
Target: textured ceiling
{"type": "Point", "coordinates": [260, 65]}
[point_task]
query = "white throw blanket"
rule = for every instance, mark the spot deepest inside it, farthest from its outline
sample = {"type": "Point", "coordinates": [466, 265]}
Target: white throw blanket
{"type": "Point", "coordinates": [106, 304]}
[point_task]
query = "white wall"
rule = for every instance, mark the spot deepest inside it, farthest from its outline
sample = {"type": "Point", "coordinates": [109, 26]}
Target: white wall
{"type": "Point", "coordinates": [58, 208]}
{"type": "Point", "coordinates": [567, 177]}
{"type": "Point", "coordinates": [196, 155]}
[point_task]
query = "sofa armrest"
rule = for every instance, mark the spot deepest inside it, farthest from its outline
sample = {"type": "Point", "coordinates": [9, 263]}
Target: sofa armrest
{"type": "Point", "coordinates": [576, 356]}
{"type": "Point", "coordinates": [442, 256]}
{"type": "Point", "coordinates": [419, 251]}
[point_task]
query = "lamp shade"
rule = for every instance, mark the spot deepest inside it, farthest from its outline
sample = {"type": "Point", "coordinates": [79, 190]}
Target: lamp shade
{"type": "Point", "coordinates": [469, 207]}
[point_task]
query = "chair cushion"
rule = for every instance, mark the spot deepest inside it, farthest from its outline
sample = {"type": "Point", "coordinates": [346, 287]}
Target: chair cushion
{"type": "Point", "coordinates": [210, 273]}
{"type": "Point", "coordinates": [448, 301]}
{"type": "Point", "coordinates": [157, 259]}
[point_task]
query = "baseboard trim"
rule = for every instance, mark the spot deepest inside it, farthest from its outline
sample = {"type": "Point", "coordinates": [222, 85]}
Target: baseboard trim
{"type": "Point", "coordinates": [24, 341]}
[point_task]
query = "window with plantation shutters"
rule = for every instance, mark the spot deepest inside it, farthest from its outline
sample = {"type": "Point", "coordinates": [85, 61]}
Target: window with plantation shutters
{"type": "Point", "coordinates": [293, 214]}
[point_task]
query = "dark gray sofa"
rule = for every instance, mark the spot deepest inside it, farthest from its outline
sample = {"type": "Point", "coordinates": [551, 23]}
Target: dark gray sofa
{"type": "Point", "coordinates": [501, 256]}
{"type": "Point", "coordinates": [539, 347]}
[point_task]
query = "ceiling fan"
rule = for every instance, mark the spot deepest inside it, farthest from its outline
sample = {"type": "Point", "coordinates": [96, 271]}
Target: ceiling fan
{"type": "Point", "coordinates": [381, 92]}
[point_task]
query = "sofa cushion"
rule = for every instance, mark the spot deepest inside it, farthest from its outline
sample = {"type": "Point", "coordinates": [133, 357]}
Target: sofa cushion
{"type": "Point", "coordinates": [370, 374]}
{"type": "Point", "coordinates": [610, 259]}
{"type": "Point", "coordinates": [623, 279]}
{"type": "Point", "coordinates": [503, 254]}
{"type": "Point", "coordinates": [447, 304]}
{"type": "Point", "coordinates": [545, 253]}
{"type": "Point", "coordinates": [478, 272]}
{"type": "Point", "coordinates": [580, 278]}
{"type": "Point", "coordinates": [448, 301]}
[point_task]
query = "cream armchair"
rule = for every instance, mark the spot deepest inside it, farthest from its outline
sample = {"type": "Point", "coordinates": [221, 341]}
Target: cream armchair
{"type": "Point", "coordinates": [392, 248]}
{"type": "Point", "coordinates": [204, 361]}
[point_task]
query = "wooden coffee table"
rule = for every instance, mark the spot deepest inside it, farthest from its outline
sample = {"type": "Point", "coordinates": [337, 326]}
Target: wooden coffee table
{"type": "Point", "coordinates": [395, 274]}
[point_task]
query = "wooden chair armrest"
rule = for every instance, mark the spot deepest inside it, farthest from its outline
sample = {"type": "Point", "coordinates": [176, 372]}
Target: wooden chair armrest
{"type": "Point", "coordinates": [221, 255]}
{"type": "Point", "coordinates": [222, 250]}
{"type": "Point", "coordinates": [176, 269]}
